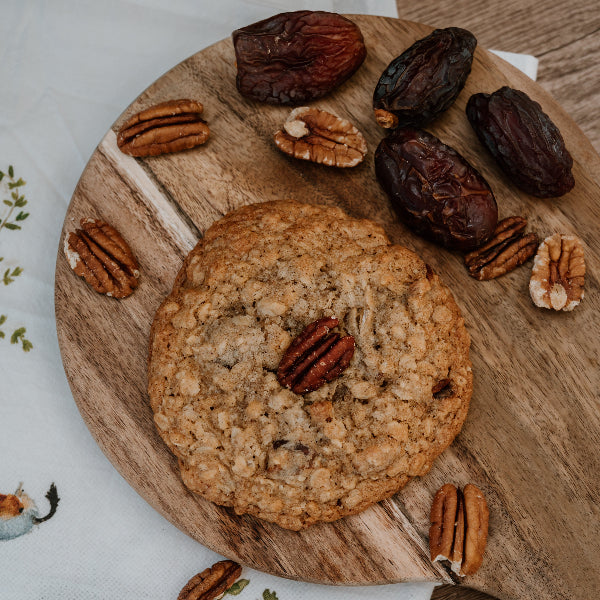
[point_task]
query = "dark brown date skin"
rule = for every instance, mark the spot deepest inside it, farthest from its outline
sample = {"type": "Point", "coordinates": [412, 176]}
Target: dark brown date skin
{"type": "Point", "coordinates": [524, 141]}
{"type": "Point", "coordinates": [295, 57]}
{"type": "Point", "coordinates": [424, 80]}
{"type": "Point", "coordinates": [434, 190]}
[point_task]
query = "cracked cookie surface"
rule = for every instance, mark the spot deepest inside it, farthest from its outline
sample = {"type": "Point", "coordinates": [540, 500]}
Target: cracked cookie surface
{"type": "Point", "coordinates": [256, 279]}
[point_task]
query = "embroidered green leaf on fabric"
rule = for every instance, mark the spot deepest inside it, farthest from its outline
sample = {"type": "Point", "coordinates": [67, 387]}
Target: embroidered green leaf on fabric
{"type": "Point", "coordinates": [13, 223]}
{"type": "Point", "coordinates": [237, 587]}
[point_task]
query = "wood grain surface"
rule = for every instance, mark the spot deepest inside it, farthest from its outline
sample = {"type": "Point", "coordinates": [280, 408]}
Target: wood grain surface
{"type": "Point", "coordinates": [565, 40]}
{"type": "Point", "coordinates": [531, 437]}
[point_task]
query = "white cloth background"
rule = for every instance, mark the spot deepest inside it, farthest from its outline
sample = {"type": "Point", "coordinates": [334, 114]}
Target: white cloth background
{"type": "Point", "coordinates": [67, 69]}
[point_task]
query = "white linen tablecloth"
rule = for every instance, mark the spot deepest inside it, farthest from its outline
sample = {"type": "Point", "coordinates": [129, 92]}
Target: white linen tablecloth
{"type": "Point", "coordinates": [67, 69]}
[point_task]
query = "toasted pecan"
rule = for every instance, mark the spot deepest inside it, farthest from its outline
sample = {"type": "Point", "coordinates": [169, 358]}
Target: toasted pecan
{"type": "Point", "coordinates": [443, 518]}
{"type": "Point", "coordinates": [211, 583]}
{"type": "Point", "coordinates": [459, 528]}
{"type": "Point", "coordinates": [508, 248]}
{"type": "Point", "coordinates": [477, 517]}
{"type": "Point", "coordinates": [315, 357]}
{"type": "Point", "coordinates": [98, 253]}
{"type": "Point", "coordinates": [558, 274]}
{"type": "Point", "coordinates": [166, 127]}
{"type": "Point", "coordinates": [320, 137]}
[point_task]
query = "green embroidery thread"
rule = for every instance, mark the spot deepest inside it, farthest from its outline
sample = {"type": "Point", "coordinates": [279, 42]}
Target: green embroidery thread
{"type": "Point", "coordinates": [8, 276]}
{"type": "Point", "coordinates": [19, 336]}
{"type": "Point", "coordinates": [13, 223]}
{"type": "Point", "coordinates": [237, 587]}
{"type": "Point", "coordinates": [17, 201]}
{"type": "Point", "coordinates": [268, 595]}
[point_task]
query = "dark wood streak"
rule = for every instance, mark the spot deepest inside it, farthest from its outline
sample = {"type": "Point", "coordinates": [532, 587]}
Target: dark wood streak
{"type": "Point", "coordinates": [533, 417]}
{"type": "Point", "coordinates": [458, 592]}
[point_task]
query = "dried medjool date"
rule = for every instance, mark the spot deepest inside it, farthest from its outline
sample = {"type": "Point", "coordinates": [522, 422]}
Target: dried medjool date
{"type": "Point", "coordinates": [424, 80]}
{"type": "Point", "coordinates": [295, 57]}
{"type": "Point", "coordinates": [524, 141]}
{"type": "Point", "coordinates": [434, 190]}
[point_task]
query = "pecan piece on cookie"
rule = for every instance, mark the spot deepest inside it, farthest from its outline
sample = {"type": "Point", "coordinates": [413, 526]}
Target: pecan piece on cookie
{"type": "Point", "coordinates": [508, 248]}
{"type": "Point", "coordinates": [558, 273]}
{"type": "Point", "coordinates": [167, 127]}
{"type": "Point", "coordinates": [315, 357]}
{"type": "Point", "coordinates": [99, 254]}
{"type": "Point", "coordinates": [320, 137]}
{"type": "Point", "coordinates": [211, 583]}
{"type": "Point", "coordinates": [459, 527]}
{"type": "Point", "coordinates": [442, 389]}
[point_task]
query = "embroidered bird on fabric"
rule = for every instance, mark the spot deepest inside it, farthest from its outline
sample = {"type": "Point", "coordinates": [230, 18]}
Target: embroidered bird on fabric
{"type": "Point", "coordinates": [19, 513]}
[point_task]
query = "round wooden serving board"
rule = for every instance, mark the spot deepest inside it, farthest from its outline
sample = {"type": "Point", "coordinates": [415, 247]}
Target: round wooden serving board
{"type": "Point", "coordinates": [532, 435]}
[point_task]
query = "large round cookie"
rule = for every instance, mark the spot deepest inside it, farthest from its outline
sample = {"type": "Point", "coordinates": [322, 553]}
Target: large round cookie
{"type": "Point", "coordinates": [256, 279]}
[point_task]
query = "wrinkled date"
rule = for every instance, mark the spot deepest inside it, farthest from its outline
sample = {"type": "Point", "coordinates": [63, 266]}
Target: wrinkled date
{"type": "Point", "coordinates": [524, 141]}
{"type": "Point", "coordinates": [424, 80]}
{"type": "Point", "coordinates": [295, 57]}
{"type": "Point", "coordinates": [434, 190]}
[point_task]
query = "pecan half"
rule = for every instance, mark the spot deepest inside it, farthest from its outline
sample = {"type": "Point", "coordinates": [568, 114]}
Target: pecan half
{"type": "Point", "coordinates": [458, 544]}
{"type": "Point", "coordinates": [211, 583]}
{"type": "Point", "coordinates": [459, 528]}
{"type": "Point", "coordinates": [167, 127]}
{"type": "Point", "coordinates": [477, 517]}
{"type": "Point", "coordinates": [443, 519]}
{"type": "Point", "coordinates": [558, 273]}
{"type": "Point", "coordinates": [508, 248]}
{"type": "Point", "coordinates": [318, 136]}
{"type": "Point", "coordinates": [99, 254]}
{"type": "Point", "coordinates": [315, 357]}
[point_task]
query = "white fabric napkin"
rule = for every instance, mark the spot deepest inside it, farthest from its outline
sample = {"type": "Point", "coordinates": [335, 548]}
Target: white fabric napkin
{"type": "Point", "coordinates": [68, 68]}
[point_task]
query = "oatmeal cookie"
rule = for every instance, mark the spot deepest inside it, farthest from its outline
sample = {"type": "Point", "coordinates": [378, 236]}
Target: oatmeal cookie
{"type": "Point", "coordinates": [256, 279]}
